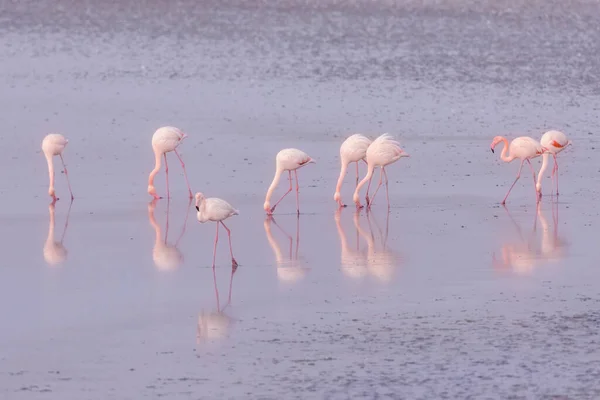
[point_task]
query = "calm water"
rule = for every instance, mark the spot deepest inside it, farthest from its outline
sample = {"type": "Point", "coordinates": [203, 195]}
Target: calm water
{"type": "Point", "coordinates": [448, 296]}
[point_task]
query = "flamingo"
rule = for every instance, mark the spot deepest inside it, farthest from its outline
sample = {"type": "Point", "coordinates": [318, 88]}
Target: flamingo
{"type": "Point", "coordinates": [53, 145]}
{"type": "Point", "coordinates": [164, 140]}
{"type": "Point", "coordinates": [287, 160]}
{"type": "Point", "coordinates": [216, 210]}
{"type": "Point", "coordinates": [382, 152]}
{"type": "Point", "coordinates": [524, 148]}
{"type": "Point", "coordinates": [554, 142]}
{"type": "Point", "coordinates": [353, 149]}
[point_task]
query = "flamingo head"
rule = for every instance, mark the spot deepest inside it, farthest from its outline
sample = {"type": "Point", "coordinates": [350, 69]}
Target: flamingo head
{"type": "Point", "coordinates": [51, 192]}
{"type": "Point", "coordinates": [496, 140]}
{"type": "Point", "coordinates": [267, 206]}
{"type": "Point", "coordinates": [199, 198]}
{"type": "Point", "coordinates": [355, 198]}
{"type": "Point", "coordinates": [337, 196]}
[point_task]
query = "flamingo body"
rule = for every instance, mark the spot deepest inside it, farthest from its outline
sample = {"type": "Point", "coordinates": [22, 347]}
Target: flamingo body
{"type": "Point", "coordinates": [553, 142]}
{"type": "Point", "coordinates": [165, 140]}
{"type": "Point", "coordinates": [523, 148]}
{"type": "Point", "coordinates": [382, 152]}
{"type": "Point", "coordinates": [286, 160]}
{"type": "Point", "coordinates": [216, 210]}
{"type": "Point", "coordinates": [53, 145]}
{"type": "Point", "coordinates": [354, 149]}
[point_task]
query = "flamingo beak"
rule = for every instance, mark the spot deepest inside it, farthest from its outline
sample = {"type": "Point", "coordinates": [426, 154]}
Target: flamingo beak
{"type": "Point", "coordinates": [197, 208]}
{"type": "Point", "coordinates": [492, 149]}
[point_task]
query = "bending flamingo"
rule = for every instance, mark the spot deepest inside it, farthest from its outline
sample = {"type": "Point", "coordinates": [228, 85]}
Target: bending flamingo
{"type": "Point", "coordinates": [164, 140]}
{"type": "Point", "coordinates": [353, 149]}
{"type": "Point", "coordinates": [287, 160]}
{"type": "Point", "coordinates": [524, 148]}
{"type": "Point", "coordinates": [216, 210]}
{"type": "Point", "coordinates": [382, 152]}
{"type": "Point", "coordinates": [53, 145]}
{"type": "Point", "coordinates": [554, 142]}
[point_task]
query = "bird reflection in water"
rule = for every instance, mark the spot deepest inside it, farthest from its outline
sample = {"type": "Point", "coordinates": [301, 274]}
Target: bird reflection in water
{"type": "Point", "coordinates": [377, 261]}
{"type": "Point", "coordinates": [289, 269]}
{"type": "Point", "coordinates": [523, 256]}
{"type": "Point", "coordinates": [166, 256]}
{"type": "Point", "coordinates": [55, 252]}
{"type": "Point", "coordinates": [216, 324]}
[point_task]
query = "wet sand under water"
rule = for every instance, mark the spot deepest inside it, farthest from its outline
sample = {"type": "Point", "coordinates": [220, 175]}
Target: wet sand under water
{"type": "Point", "coordinates": [448, 296]}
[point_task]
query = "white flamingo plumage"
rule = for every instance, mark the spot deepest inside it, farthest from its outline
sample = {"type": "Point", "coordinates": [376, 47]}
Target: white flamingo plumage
{"type": "Point", "coordinates": [524, 148]}
{"type": "Point", "coordinates": [286, 160]}
{"type": "Point", "coordinates": [216, 210]}
{"type": "Point", "coordinates": [382, 152]}
{"type": "Point", "coordinates": [164, 140]}
{"type": "Point", "coordinates": [554, 142]}
{"type": "Point", "coordinates": [53, 145]}
{"type": "Point", "coordinates": [354, 149]}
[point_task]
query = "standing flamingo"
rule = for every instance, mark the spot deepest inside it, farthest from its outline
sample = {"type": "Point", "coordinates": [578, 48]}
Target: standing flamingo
{"type": "Point", "coordinates": [353, 149]}
{"type": "Point", "coordinates": [553, 142]}
{"type": "Point", "coordinates": [287, 160]}
{"type": "Point", "coordinates": [382, 152]}
{"type": "Point", "coordinates": [524, 148]}
{"type": "Point", "coordinates": [217, 210]}
{"type": "Point", "coordinates": [53, 145]}
{"type": "Point", "coordinates": [164, 140]}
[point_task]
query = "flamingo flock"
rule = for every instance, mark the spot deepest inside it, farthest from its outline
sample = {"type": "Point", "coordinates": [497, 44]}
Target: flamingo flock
{"type": "Point", "coordinates": [380, 152]}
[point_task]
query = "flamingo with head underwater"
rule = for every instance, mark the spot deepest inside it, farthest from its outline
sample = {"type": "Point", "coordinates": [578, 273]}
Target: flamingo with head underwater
{"type": "Point", "coordinates": [53, 145]}
{"type": "Point", "coordinates": [553, 142]}
{"type": "Point", "coordinates": [164, 140]}
{"type": "Point", "coordinates": [354, 149]}
{"type": "Point", "coordinates": [287, 160]}
{"type": "Point", "coordinates": [382, 152]}
{"type": "Point", "coordinates": [524, 148]}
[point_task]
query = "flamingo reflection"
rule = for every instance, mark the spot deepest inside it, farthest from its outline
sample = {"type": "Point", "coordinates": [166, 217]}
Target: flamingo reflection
{"type": "Point", "coordinates": [353, 260]}
{"type": "Point", "coordinates": [289, 269]}
{"type": "Point", "coordinates": [166, 256]}
{"type": "Point", "coordinates": [525, 254]}
{"type": "Point", "coordinates": [55, 252]}
{"type": "Point", "coordinates": [216, 324]}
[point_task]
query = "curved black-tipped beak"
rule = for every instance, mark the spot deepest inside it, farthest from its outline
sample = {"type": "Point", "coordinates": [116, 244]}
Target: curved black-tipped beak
{"type": "Point", "coordinates": [197, 208]}
{"type": "Point", "coordinates": [492, 149]}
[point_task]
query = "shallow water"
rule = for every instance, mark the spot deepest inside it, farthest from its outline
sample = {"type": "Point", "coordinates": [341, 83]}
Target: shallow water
{"type": "Point", "coordinates": [450, 295]}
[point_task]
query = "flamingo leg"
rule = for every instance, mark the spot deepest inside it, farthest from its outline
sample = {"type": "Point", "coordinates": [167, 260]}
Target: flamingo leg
{"type": "Point", "coordinates": [167, 174]}
{"type": "Point", "coordinates": [538, 196]}
{"type": "Point", "coordinates": [234, 263]}
{"type": "Point", "coordinates": [376, 190]}
{"type": "Point", "coordinates": [297, 192]}
{"type": "Point", "coordinates": [67, 175]}
{"type": "Point", "coordinates": [387, 192]}
{"type": "Point", "coordinates": [215, 248]}
{"type": "Point", "coordinates": [285, 194]}
{"type": "Point", "coordinates": [516, 179]}
{"type": "Point", "coordinates": [184, 174]}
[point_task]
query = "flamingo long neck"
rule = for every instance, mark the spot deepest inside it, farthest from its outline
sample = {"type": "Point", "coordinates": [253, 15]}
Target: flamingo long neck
{"type": "Point", "coordinates": [157, 164]}
{"type": "Point", "coordinates": [278, 173]}
{"type": "Point", "coordinates": [504, 155]}
{"type": "Point", "coordinates": [538, 184]}
{"type": "Point", "coordinates": [338, 187]}
{"type": "Point", "coordinates": [370, 170]}
{"type": "Point", "coordinates": [50, 171]}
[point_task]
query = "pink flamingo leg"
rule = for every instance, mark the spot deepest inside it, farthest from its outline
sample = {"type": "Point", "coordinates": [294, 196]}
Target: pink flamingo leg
{"type": "Point", "coordinates": [67, 175]}
{"type": "Point", "coordinates": [387, 193]}
{"type": "Point", "coordinates": [215, 248]}
{"type": "Point", "coordinates": [285, 194]}
{"type": "Point", "coordinates": [184, 174]}
{"type": "Point", "coordinates": [234, 263]}
{"type": "Point", "coordinates": [297, 192]}
{"type": "Point", "coordinates": [167, 174]}
{"type": "Point", "coordinates": [538, 196]}
{"type": "Point", "coordinates": [516, 179]}
{"type": "Point", "coordinates": [376, 190]}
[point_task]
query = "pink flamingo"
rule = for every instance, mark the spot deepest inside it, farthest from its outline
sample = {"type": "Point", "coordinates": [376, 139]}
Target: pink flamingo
{"type": "Point", "coordinates": [382, 152]}
{"type": "Point", "coordinates": [164, 140]}
{"type": "Point", "coordinates": [554, 142]}
{"type": "Point", "coordinates": [287, 160]}
{"type": "Point", "coordinates": [216, 210]}
{"type": "Point", "coordinates": [524, 148]}
{"type": "Point", "coordinates": [53, 145]}
{"type": "Point", "coordinates": [354, 149]}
